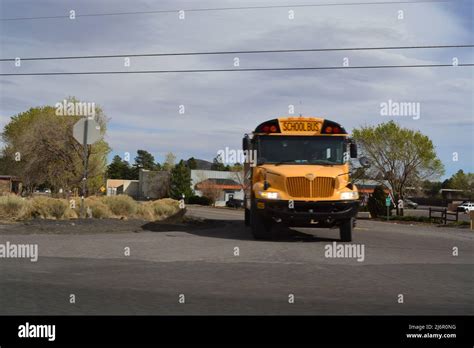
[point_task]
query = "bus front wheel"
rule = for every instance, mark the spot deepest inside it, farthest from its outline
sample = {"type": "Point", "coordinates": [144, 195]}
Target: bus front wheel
{"type": "Point", "coordinates": [261, 227]}
{"type": "Point", "coordinates": [247, 217]}
{"type": "Point", "coordinates": [345, 229]}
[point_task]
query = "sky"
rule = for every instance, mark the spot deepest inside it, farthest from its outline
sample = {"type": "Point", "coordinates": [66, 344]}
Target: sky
{"type": "Point", "coordinates": [220, 107]}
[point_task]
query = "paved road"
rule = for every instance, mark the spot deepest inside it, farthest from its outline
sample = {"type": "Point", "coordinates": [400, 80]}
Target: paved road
{"type": "Point", "coordinates": [199, 262]}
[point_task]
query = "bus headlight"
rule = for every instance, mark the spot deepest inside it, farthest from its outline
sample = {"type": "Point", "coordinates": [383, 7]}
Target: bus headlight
{"type": "Point", "coordinates": [269, 195]}
{"type": "Point", "coordinates": [350, 195]}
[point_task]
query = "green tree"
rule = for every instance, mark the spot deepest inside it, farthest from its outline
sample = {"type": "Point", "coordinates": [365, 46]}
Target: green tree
{"type": "Point", "coordinates": [191, 163]}
{"type": "Point", "coordinates": [119, 169]}
{"type": "Point", "coordinates": [180, 181]}
{"type": "Point", "coordinates": [7, 165]}
{"type": "Point", "coordinates": [432, 188]}
{"type": "Point", "coordinates": [401, 156]}
{"type": "Point", "coordinates": [48, 152]}
{"type": "Point", "coordinates": [145, 160]}
{"type": "Point", "coordinates": [169, 163]}
{"type": "Point", "coordinates": [218, 164]}
{"type": "Point", "coordinates": [237, 167]}
{"type": "Point", "coordinates": [462, 181]}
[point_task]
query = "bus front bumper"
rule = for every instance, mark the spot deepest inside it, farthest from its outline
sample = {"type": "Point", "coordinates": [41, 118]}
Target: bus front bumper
{"type": "Point", "coordinates": [304, 213]}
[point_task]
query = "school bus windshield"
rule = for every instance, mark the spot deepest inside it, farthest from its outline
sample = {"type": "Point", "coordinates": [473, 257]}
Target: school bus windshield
{"type": "Point", "coordinates": [301, 149]}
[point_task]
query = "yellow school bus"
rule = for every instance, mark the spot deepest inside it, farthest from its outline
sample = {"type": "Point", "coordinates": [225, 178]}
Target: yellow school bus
{"type": "Point", "coordinates": [300, 177]}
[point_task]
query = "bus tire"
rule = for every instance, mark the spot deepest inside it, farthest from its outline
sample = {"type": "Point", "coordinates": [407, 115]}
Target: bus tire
{"type": "Point", "coordinates": [261, 228]}
{"type": "Point", "coordinates": [247, 217]}
{"type": "Point", "coordinates": [345, 229]}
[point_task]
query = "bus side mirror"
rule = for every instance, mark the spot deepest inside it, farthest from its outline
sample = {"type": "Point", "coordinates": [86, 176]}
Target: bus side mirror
{"type": "Point", "coordinates": [364, 162]}
{"type": "Point", "coordinates": [246, 143]}
{"type": "Point", "coordinates": [353, 149]}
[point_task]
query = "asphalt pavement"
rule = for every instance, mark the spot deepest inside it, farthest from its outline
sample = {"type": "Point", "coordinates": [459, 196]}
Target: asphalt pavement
{"type": "Point", "coordinates": [215, 267]}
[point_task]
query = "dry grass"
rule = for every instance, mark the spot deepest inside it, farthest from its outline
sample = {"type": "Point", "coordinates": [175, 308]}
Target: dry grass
{"type": "Point", "coordinates": [145, 211]}
{"type": "Point", "coordinates": [48, 208]}
{"type": "Point", "coordinates": [99, 209]}
{"type": "Point", "coordinates": [164, 208]}
{"type": "Point", "coordinates": [121, 205]}
{"type": "Point", "coordinates": [159, 209]}
{"type": "Point", "coordinates": [16, 208]}
{"type": "Point", "coordinates": [71, 214]}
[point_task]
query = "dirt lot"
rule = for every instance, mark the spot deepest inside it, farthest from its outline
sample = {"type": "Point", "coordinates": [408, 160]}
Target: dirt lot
{"type": "Point", "coordinates": [93, 226]}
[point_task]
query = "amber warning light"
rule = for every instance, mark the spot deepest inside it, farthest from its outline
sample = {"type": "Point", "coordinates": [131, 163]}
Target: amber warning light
{"type": "Point", "coordinates": [330, 127]}
{"type": "Point", "coordinates": [268, 127]}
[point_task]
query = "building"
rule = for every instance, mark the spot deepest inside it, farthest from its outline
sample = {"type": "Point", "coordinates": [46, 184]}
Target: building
{"type": "Point", "coordinates": [153, 184]}
{"type": "Point", "coordinates": [10, 184]}
{"type": "Point", "coordinates": [218, 185]}
{"type": "Point", "coordinates": [122, 187]}
{"type": "Point", "coordinates": [150, 185]}
{"type": "Point", "coordinates": [367, 186]}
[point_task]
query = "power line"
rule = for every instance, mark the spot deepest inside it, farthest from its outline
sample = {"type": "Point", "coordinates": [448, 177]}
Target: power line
{"type": "Point", "coordinates": [226, 9]}
{"type": "Point", "coordinates": [234, 70]}
{"type": "Point", "coordinates": [239, 52]}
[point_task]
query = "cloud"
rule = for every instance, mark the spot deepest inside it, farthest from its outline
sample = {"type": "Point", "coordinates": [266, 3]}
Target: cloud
{"type": "Point", "coordinates": [221, 107]}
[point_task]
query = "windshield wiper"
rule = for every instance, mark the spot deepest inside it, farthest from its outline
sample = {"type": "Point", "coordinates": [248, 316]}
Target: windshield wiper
{"type": "Point", "coordinates": [305, 162]}
{"type": "Point", "coordinates": [284, 161]}
{"type": "Point", "coordinates": [323, 162]}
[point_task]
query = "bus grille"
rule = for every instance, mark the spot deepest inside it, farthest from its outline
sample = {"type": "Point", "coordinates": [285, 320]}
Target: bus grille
{"type": "Point", "coordinates": [298, 186]}
{"type": "Point", "coordinates": [320, 187]}
{"type": "Point", "coordinates": [323, 187]}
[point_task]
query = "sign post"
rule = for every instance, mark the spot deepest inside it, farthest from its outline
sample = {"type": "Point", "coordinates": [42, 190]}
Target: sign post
{"type": "Point", "coordinates": [86, 162]}
{"type": "Point", "coordinates": [86, 131]}
{"type": "Point", "coordinates": [387, 204]}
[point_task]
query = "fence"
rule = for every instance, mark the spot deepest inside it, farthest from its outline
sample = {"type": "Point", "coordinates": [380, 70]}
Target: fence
{"type": "Point", "coordinates": [443, 215]}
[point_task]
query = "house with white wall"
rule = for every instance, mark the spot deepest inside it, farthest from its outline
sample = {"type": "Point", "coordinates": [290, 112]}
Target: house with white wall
{"type": "Point", "coordinates": [223, 184]}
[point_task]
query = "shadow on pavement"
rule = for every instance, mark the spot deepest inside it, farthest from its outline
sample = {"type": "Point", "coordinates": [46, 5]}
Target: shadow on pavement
{"type": "Point", "coordinates": [229, 229]}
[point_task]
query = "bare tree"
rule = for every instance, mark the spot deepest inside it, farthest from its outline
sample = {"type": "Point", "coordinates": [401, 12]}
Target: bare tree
{"type": "Point", "coordinates": [208, 189]}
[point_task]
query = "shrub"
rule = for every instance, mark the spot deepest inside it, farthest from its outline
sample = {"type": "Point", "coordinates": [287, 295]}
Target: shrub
{"type": "Point", "coordinates": [76, 205]}
{"type": "Point", "coordinates": [202, 200]}
{"type": "Point", "coordinates": [46, 207]}
{"type": "Point", "coordinates": [100, 210]}
{"type": "Point", "coordinates": [57, 207]}
{"type": "Point", "coordinates": [71, 214]}
{"type": "Point", "coordinates": [13, 207]}
{"type": "Point", "coordinates": [376, 203]}
{"type": "Point", "coordinates": [164, 208]}
{"type": "Point", "coordinates": [39, 207]}
{"type": "Point", "coordinates": [145, 211]}
{"type": "Point", "coordinates": [121, 205]}
{"type": "Point", "coordinates": [159, 209]}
